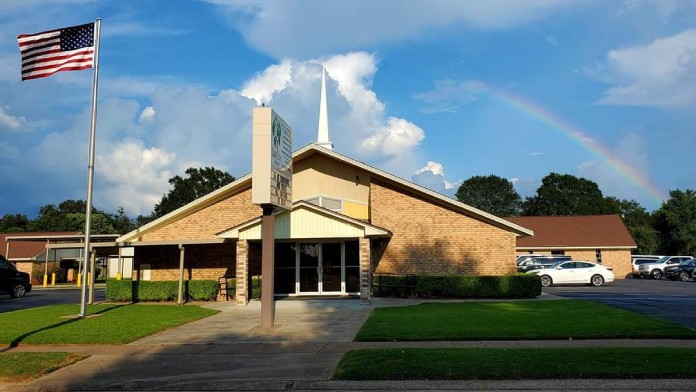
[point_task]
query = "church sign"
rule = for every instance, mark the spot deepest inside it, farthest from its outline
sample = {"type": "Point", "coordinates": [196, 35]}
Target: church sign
{"type": "Point", "coordinates": [271, 160]}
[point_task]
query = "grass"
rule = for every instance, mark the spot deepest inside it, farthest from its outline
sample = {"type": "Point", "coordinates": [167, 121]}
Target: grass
{"type": "Point", "coordinates": [105, 324]}
{"type": "Point", "coordinates": [519, 320]}
{"type": "Point", "coordinates": [22, 367]}
{"type": "Point", "coordinates": [517, 364]}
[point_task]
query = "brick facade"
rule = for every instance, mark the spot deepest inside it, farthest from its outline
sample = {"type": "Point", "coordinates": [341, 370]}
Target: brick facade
{"type": "Point", "coordinates": [241, 288]}
{"type": "Point", "coordinates": [205, 223]}
{"type": "Point", "coordinates": [201, 262]}
{"type": "Point", "coordinates": [365, 271]}
{"type": "Point", "coordinates": [432, 239]}
{"type": "Point", "coordinates": [618, 259]}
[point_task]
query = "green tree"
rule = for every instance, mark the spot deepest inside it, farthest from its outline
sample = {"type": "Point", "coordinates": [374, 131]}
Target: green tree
{"type": "Point", "coordinates": [638, 221]}
{"type": "Point", "coordinates": [121, 222]}
{"type": "Point", "coordinates": [14, 223]}
{"type": "Point", "coordinates": [492, 194]}
{"type": "Point", "coordinates": [675, 221]}
{"type": "Point", "coordinates": [70, 216]}
{"type": "Point", "coordinates": [563, 194]}
{"type": "Point", "coordinates": [198, 183]}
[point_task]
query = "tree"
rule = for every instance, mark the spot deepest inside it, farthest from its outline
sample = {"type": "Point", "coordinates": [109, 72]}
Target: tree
{"type": "Point", "coordinates": [492, 194]}
{"type": "Point", "coordinates": [563, 194]}
{"type": "Point", "coordinates": [13, 223]}
{"type": "Point", "coordinates": [199, 183]}
{"type": "Point", "coordinates": [70, 216]}
{"type": "Point", "coordinates": [675, 220]}
{"type": "Point", "coordinates": [639, 224]}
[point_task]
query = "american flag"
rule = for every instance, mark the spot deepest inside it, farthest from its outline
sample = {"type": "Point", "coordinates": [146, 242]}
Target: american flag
{"type": "Point", "coordinates": [67, 49]}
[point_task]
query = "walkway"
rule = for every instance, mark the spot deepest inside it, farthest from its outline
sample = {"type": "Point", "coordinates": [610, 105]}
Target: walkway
{"type": "Point", "coordinates": [228, 351]}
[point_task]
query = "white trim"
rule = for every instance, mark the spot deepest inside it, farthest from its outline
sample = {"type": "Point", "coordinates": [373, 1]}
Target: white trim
{"type": "Point", "coordinates": [574, 247]}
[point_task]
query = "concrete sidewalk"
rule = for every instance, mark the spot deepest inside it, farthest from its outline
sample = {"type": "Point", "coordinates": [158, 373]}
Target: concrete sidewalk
{"type": "Point", "coordinates": [228, 351]}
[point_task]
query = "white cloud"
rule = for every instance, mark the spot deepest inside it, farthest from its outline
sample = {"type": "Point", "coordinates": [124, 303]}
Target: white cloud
{"type": "Point", "coordinates": [13, 123]}
{"type": "Point", "coordinates": [661, 73]}
{"type": "Point", "coordinates": [664, 8]}
{"type": "Point", "coordinates": [296, 28]}
{"type": "Point", "coordinates": [148, 114]}
{"type": "Point", "coordinates": [397, 135]}
{"type": "Point", "coordinates": [272, 80]}
{"type": "Point", "coordinates": [432, 177]}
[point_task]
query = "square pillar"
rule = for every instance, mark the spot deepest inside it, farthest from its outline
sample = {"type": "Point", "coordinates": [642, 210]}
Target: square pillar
{"type": "Point", "coordinates": [241, 294]}
{"type": "Point", "coordinates": [365, 271]}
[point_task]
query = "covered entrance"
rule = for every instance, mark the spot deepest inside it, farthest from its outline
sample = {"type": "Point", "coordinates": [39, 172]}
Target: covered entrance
{"type": "Point", "coordinates": [317, 268]}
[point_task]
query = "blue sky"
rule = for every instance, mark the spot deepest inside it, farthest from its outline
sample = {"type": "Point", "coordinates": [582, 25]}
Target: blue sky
{"type": "Point", "coordinates": [432, 91]}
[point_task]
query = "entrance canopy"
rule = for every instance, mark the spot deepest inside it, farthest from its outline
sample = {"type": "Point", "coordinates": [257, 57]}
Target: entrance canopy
{"type": "Point", "coordinates": [307, 220]}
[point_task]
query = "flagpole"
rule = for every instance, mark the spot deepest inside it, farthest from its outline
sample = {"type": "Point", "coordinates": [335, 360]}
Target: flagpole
{"type": "Point", "coordinates": [90, 175]}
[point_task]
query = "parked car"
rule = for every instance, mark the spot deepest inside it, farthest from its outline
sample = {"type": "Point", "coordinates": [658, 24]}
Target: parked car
{"type": "Point", "coordinates": [637, 263]}
{"type": "Point", "coordinates": [575, 272]}
{"type": "Point", "coordinates": [540, 262]}
{"type": "Point", "coordinates": [522, 258]}
{"type": "Point", "coordinates": [14, 282]}
{"type": "Point", "coordinates": [683, 271]}
{"type": "Point", "coordinates": [656, 270]}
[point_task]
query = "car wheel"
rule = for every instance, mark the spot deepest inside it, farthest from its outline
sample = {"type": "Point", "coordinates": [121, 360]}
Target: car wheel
{"type": "Point", "coordinates": [546, 280]}
{"type": "Point", "coordinates": [656, 274]}
{"type": "Point", "coordinates": [597, 280]}
{"type": "Point", "coordinates": [683, 276]}
{"type": "Point", "coordinates": [18, 291]}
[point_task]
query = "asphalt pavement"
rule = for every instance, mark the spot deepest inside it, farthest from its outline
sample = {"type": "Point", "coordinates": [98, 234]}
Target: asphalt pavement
{"type": "Point", "coordinates": [39, 296]}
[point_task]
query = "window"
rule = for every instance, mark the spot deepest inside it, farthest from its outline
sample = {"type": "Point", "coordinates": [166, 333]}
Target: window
{"type": "Point", "coordinates": [598, 256]}
{"type": "Point", "coordinates": [328, 203]}
{"type": "Point", "coordinates": [557, 252]}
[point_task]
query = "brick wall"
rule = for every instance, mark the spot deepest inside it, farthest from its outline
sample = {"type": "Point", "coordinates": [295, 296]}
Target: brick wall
{"type": "Point", "coordinates": [201, 262]}
{"type": "Point", "coordinates": [432, 239]}
{"type": "Point", "coordinates": [205, 223]}
{"type": "Point", "coordinates": [618, 259]}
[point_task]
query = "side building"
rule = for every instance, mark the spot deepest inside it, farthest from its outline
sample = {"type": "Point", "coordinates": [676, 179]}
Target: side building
{"type": "Point", "coordinates": [602, 239]}
{"type": "Point", "coordinates": [349, 221]}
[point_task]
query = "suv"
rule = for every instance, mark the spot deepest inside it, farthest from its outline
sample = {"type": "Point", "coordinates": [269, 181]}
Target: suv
{"type": "Point", "coordinates": [657, 269]}
{"type": "Point", "coordinates": [540, 262]}
{"type": "Point", "coordinates": [682, 271]}
{"type": "Point", "coordinates": [15, 282]}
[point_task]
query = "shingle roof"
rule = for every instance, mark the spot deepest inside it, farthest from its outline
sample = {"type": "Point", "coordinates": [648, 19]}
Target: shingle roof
{"type": "Point", "coordinates": [591, 231]}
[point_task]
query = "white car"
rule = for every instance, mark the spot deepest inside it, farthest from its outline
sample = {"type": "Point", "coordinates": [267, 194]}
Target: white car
{"type": "Point", "coordinates": [575, 272]}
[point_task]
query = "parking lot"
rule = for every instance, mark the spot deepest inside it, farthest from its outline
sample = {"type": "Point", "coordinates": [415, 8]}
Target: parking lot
{"type": "Point", "coordinates": [48, 296]}
{"type": "Point", "coordinates": [670, 300]}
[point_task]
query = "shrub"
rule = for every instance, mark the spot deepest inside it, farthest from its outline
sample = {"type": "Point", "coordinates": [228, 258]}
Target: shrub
{"type": "Point", "coordinates": [457, 286]}
{"type": "Point", "coordinates": [61, 275]}
{"type": "Point", "coordinates": [129, 290]}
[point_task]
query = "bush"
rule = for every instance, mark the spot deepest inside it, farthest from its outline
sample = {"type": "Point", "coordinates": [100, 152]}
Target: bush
{"type": "Point", "coordinates": [61, 275]}
{"type": "Point", "coordinates": [457, 286]}
{"type": "Point", "coordinates": [134, 291]}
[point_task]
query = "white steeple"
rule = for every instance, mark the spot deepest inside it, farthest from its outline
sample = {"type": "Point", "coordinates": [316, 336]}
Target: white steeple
{"type": "Point", "coordinates": [323, 131]}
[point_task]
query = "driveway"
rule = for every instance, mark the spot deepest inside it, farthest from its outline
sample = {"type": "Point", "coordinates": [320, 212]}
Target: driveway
{"type": "Point", "coordinates": [666, 299]}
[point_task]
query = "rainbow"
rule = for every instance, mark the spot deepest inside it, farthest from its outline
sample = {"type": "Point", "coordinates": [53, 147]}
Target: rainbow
{"type": "Point", "coordinates": [544, 116]}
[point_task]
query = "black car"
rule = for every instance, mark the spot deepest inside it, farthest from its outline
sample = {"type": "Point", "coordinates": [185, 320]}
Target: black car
{"type": "Point", "coordinates": [540, 262]}
{"type": "Point", "coordinates": [14, 282]}
{"type": "Point", "coordinates": [682, 271]}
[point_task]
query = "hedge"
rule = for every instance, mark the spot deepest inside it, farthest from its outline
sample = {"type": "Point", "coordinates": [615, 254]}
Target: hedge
{"type": "Point", "coordinates": [255, 287]}
{"type": "Point", "coordinates": [457, 286]}
{"type": "Point", "coordinates": [133, 291]}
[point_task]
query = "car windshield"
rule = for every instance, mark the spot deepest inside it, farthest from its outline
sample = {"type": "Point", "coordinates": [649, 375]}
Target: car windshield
{"type": "Point", "coordinates": [662, 259]}
{"type": "Point", "coordinates": [557, 263]}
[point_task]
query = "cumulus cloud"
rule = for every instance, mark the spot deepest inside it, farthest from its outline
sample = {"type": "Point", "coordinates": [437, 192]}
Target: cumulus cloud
{"type": "Point", "coordinates": [8, 121]}
{"type": "Point", "coordinates": [148, 114]}
{"type": "Point", "coordinates": [272, 80]}
{"type": "Point", "coordinates": [661, 73]}
{"type": "Point", "coordinates": [297, 28]}
{"type": "Point", "coordinates": [432, 176]}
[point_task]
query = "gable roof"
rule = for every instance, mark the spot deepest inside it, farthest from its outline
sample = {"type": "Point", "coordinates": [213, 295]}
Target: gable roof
{"type": "Point", "coordinates": [303, 215]}
{"type": "Point", "coordinates": [585, 231]}
{"type": "Point", "coordinates": [312, 149]}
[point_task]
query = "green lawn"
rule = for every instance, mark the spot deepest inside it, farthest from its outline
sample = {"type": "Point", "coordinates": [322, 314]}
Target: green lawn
{"type": "Point", "coordinates": [22, 367]}
{"type": "Point", "coordinates": [519, 320]}
{"type": "Point", "coordinates": [516, 364]}
{"type": "Point", "coordinates": [105, 324]}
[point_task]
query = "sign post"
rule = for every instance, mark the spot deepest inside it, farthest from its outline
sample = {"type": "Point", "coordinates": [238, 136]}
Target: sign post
{"type": "Point", "coordinates": [272, 191]}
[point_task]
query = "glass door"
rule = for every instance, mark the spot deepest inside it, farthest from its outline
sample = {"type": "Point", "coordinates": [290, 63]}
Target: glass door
{"type": "Point", "coordinates": [331, 267]}
{"type": "Point", "coordinates": [310, 268]}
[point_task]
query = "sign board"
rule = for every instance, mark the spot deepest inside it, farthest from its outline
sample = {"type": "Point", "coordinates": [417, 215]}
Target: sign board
{"type": "Point", "coordinates": [271, 166]}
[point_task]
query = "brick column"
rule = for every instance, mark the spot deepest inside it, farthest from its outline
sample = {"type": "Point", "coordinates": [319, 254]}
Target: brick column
{"type": "Point", "coordinates": [365, 271]}
{"type": "Point", "coordinates": [242, 273]}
